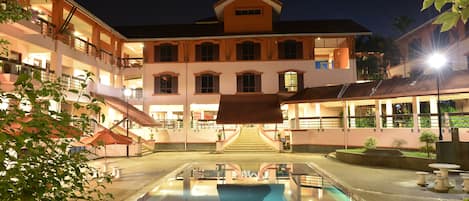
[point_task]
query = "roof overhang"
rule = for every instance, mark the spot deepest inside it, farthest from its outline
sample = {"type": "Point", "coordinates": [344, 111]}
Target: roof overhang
{"type": "Point", "coordinates": [249, 109]}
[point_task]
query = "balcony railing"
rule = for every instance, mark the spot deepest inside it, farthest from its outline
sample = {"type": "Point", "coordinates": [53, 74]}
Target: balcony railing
{"type": "Point", "coordinates": [106, 56]}
{"type": "Point", "coordinates": [320, 122]}
{"type": "Point", "coordinates": [130, 62]}
{"type": "Point", "coordinates": [170, 123]}
{"type": "Point", "coordinates": [70, 82]}
{"type": "Point", "coordinates": [368, 121]}
{"type": "Point", "coordinates": [397, 121]}
{"type": "Point", "coordinates": [458, 120]}
{"type": "Point", "coordinates": [47, 28]}
{"type": "Point", "coordinates": [11, 67]}
{"type": "Point", "coordinates": [80, 44]}
{"type": "Point", "coordinates": [427, 120]}
{"type": "Point", "coordinates": [136, 94]}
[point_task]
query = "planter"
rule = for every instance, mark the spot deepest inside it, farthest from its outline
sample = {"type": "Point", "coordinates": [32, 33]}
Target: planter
{"type": "Point", "coordinates": [385, 160]}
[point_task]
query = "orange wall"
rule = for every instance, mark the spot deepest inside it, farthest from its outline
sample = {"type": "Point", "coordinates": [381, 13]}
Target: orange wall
{"type": "Point", "coordinates": [247, 23]}
{"type": "Point", "coordinates": [227, 48]}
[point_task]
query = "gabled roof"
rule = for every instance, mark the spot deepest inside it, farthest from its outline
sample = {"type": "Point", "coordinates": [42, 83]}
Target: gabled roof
{"type": "Point", "coordinates": [312, 27]}
{"type": "Point", "coordinates": [220, 6]}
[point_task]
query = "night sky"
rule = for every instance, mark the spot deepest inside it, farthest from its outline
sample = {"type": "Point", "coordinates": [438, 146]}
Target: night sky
{"type": "Point", "coordinates": [376, 15]}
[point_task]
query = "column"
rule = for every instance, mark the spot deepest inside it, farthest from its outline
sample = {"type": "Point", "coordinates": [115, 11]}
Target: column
{"type": "Point", "coordinates": [187, 183]}
{"type": "Point", "coordinates": [389, 117]}
{"type": "Point", "coordinates": [346, 115]}
{"type": "Point", "coordinates": [378, 112]}
{"type": "Point", "coordinates": [352, 114]}
{"type": "Point", "coordinates": [434, 110]}
{"type": "Point", "coordinates": [57, 14]}
{"type": "Point", "coordinates": [317, 113]}
{"type": "Point", "coordinates": [297, 116]}
{"type": "Point", "coordinates": [416, 112]}
{"type": "Point", "coordinates": [56, 62]}
{"type": "Point", "coordinates": [272, 175]}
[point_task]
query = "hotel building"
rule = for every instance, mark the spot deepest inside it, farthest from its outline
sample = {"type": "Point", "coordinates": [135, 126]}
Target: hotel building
{"type": "Point", "coordinates": [242, 80]}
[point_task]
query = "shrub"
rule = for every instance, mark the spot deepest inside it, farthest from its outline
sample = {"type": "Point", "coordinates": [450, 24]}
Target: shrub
{"type": "Point", "coordinates": [370, 143]}
{"type": "Point", "coordinates": [429, 138]}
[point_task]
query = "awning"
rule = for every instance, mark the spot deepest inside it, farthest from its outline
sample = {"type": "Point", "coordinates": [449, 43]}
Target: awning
{"type": "Point", "coordinates": [249, 109]}
{"type": "Point", "coordinates": [135, 114]}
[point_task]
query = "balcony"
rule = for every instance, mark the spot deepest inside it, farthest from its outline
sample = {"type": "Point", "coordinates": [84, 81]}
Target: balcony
{"type": "Point", "coordinates": [15, 68]}
{"type": "Point", "coordinates": [130, 62]}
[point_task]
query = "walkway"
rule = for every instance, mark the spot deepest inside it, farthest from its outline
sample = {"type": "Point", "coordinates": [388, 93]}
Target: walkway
{"type": "Point", "coordinates": [139, 175]}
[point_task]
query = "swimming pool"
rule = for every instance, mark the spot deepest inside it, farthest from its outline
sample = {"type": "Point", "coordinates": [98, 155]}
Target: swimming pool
{"type": "Point", "coordinates": [246, 182]}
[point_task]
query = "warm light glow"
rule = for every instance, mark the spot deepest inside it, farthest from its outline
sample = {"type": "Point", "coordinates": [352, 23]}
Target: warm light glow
{"type": "Point", "coordinates": [436, 60]}
{"type": "Point", "coordinates": [127, 92]}
{"type": "Point", "coordinates": [318, 38]}
{"type": "Point", "coordinates": [77, 34]}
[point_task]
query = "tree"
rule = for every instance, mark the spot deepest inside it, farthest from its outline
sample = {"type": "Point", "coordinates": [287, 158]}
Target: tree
{"type": "Point", "coordinates": [35, 165]}
{"type": "Point", "coordinates": [10, 11]}
{"type": "Point", "coordinates": [402, 24]}
{"type": "Point", "coordinates": [448, 19]}
{"type": "Point", "coordinates": [429, 138]}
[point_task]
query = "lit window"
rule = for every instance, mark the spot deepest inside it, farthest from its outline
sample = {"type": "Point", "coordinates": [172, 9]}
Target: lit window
{"type": "Point", "coordinates": [255, 11]}
{"type": "Point", "coordinates": [291, 81]}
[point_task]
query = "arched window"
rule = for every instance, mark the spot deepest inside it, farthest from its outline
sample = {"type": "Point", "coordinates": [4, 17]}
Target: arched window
{"type": "Point", "coordinates": [249, 82]}
{"type": "Point", "coordinates": [248, 51]}
{"type": "Point", "coordinates": [290, 81]}
{"type": "Point", "coordinates": [166, 52]}
{"type": "Point", "coordinates": [166, 84]}
{"type": "Point", "coordinates": [207, 52]}
{"type": "Point", "coordinates": [207, 83]}
{"type": "Point", "coordinates": [290, 49]}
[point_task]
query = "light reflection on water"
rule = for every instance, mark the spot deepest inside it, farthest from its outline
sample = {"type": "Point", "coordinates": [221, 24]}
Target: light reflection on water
{"type": "Point", "coordinates": [247, 182]}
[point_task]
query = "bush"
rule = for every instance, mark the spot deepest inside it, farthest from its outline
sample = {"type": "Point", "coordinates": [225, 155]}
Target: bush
{"type": "Point", "coordinates": [429, 138]}
{"type": "Point", "coordinates": [370, 143]}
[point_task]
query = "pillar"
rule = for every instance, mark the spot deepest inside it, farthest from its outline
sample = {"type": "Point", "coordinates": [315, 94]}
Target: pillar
{"type": "Point", "coordinates": [317, 113]}
{"type": "Point", "coordinates": [56, 62]}
{"type": "Point", "coordinates": [57, 14]}
{"type": "Point", "coordinates": [434, 110]}
{"type": "Point", "coordinates": [346, 115]}
{"type": "Point", "coordinates": [389, 117]}
{"type": "Point", "coordinates": [187, 182]}
{"type": "Point", "coordinates": [378, 112]}
{"type": "Point", "coordinates": [352, 114]}
{"type": "Point", "coordinates": [272, 175]}
{"type": "Point", "coordinates": [416, 112]}
{"type": "Point", "coordinates": [297, 116]}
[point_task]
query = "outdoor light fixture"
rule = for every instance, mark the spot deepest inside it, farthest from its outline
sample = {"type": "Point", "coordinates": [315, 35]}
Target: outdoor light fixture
{"type": "Point", "coordinates": [437, 61]}
{"type": "Point", "coordinates": [127, 94]}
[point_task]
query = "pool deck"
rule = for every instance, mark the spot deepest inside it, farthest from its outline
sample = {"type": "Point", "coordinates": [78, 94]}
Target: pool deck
{"type": "Point", "coordinates": [141, 174]}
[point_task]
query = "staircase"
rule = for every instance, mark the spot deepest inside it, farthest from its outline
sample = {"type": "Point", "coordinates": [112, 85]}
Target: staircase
{"type": "Point", "coordinates": [249, 141]}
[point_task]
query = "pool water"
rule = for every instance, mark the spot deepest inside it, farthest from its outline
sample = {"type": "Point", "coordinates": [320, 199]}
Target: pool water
{"type": "Point", "coordinates": [246, 182]}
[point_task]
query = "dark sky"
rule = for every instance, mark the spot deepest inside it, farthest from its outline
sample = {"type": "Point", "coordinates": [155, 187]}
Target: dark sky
{"type": "Point", "coordinates": [376, 15]}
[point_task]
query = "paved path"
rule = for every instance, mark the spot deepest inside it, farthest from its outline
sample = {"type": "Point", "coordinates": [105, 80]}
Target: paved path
{"type": "Point", "coordinates": [140, 175]}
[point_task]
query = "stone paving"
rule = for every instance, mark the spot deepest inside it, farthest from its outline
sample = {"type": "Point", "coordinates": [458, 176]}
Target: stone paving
{"type": "Point", "coordinates": [141, 174]}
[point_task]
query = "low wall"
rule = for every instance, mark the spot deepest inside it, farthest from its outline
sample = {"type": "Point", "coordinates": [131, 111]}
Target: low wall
{"type": "Point", "coordinates": [190, 147]}
{"type": "Point", "coordinates": [400, 162]}
{"type": "Point", "coordinates": [311, 148]}
{"type": "Point", "coordinates": [117, 150]}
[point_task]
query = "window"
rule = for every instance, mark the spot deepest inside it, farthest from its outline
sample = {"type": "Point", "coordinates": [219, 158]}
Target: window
{"type": "Point", "coordinates": [166, 52]}
{"type": "Point", "coordinates": [207, 52]}
{"type": "Point", "coordinates": [166, 84]}
{"type": "Point", "coordinates": [332, 53]}
{"type": "Point", "coordinates": [290, 49]}
{"type": "Point", "coordinates": [249, 82]}
{"type": "Point", "coordinates": [440, 39]}
{"type": "Point", "coordinates": [415, 48]}
{"type": "Point", "coordinates": [251, 11]}
{"type": "Point", "coordinates": [290, 81]}
{"type": "Point", "coordinates": [207, 83]}
{"type": "Point", "coordinates": [248, 51]}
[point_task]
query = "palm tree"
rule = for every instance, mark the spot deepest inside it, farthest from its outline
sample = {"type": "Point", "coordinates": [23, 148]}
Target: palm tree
{"type": "Point", "coordinates": [402, 23]}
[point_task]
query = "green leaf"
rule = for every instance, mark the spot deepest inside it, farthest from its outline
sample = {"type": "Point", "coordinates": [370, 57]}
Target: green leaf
{"type": "Point", "coordinates": [465, 14]}
{"type": "Point", "coordinates": [427, 4]}
{"type": "Point", "coordinates": [440, 3]}
{"type": "Point", "coordinates": [448, 20]}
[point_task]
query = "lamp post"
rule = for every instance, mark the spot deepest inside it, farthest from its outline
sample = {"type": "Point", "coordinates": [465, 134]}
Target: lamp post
{"type": "Point", "coordinates": [436, 61]}
{"type": "Point", "coordinates": [127, 93]}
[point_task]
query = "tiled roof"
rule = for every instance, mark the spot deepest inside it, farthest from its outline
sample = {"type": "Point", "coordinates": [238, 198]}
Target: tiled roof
{"type": "Point", "coordinates": [208, 30]}
{"type": "Point", "coordinates": [453, 82]}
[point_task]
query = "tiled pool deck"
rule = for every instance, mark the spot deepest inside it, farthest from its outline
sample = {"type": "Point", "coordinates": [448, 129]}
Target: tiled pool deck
{"type": "Point", "coordinates": [141, 174]}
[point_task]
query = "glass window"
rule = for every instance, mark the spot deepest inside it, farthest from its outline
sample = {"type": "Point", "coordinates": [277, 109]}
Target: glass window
{"type": "Point", "coordinates": [252, 11]}
{"type": "Point", "coordinates": [331, 53]}
{"type": "Point", "coordinates": [249, 82]}
{"type": "Point", "coordinates": [247, 51]}
{"type": "Point", "coordinates": [291, 81]}
{"type": "Point", "coordinates": [207, 84]}
{"type": "Point", "coordinates": [166, 84]}
{"type": "Point", "coordinates": [207, 52]}
{"type": "Point", "coordinates": [292, 49]}
{"type": "Point", "coordinates": [166, 53]}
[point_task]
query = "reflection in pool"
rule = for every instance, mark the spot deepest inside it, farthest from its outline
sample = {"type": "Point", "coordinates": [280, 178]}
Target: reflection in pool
{"type": "Point", "coordinates": [246, 182]}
